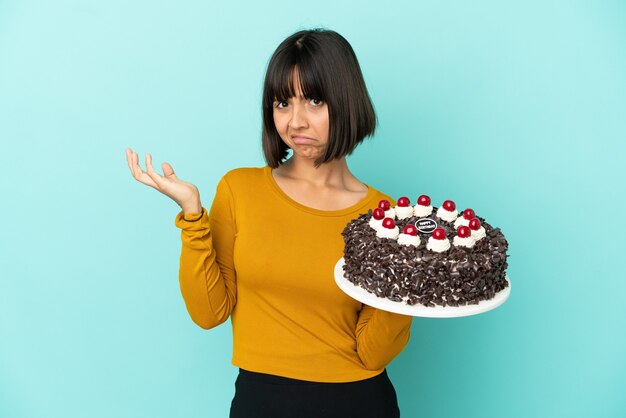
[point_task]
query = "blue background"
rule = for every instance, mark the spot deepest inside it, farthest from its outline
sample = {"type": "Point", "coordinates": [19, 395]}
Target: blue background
{"type": "Point", "coordinates": [517, 109]}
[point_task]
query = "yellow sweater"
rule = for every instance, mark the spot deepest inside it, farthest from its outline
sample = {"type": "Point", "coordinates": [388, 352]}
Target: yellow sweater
{"type": "Point", "coordinates": [267, 261]}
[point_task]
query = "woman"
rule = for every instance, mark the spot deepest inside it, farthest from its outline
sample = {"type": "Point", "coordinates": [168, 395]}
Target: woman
{"type": "Point", "coordinates": [265, 253]}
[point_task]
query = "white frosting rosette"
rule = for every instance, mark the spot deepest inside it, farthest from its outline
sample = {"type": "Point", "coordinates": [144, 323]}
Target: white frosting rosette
{"type": "Point", "coordinates": [438, 245]}
{"type": "Point", "coordinates": [408, 239]}
{"type": "Point", "coordinates": [479, 233]}
{"type": "Point", "coordinates": [390, 213]}
{"type": "Point", "coordinates": [403, 212]}
{"type": "Point", "coordinates": [391, 233]}
{"type": "Point", "coordinates": [447, 215]}
{"type": "Point", "coordinates": [421, 211]}
{"type": "Point", "coordinates": [464, 242]}
{"type": "Point", "coordinates": [461, 221]}
{"type": "Point", "coordinates": [375, 223]}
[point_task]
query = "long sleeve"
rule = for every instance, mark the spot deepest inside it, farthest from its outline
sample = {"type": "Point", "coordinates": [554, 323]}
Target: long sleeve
{"type": "Point", "coordinates": [207, 273]}
{"type": "Point", "coordinates": [381, 336]}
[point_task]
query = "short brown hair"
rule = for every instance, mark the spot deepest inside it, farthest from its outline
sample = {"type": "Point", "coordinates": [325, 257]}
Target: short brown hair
{"type": "Point", "coordinates": [329, 71]}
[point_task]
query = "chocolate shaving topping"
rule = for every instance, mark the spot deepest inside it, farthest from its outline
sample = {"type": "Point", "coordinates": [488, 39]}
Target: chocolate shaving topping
{"type": "Point", "coordinates": [456, 277]}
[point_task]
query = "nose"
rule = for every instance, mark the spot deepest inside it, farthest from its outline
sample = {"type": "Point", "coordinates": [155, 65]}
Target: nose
{"type": "Point", "coordinates": [298, 117]}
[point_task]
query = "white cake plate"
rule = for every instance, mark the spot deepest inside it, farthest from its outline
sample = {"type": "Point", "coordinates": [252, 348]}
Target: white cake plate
{"type": "Point", "coordinates": [363, 296]}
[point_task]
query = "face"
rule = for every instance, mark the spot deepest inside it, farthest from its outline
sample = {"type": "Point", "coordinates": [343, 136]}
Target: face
{"type": "Point", "coordinates": [302, 124]}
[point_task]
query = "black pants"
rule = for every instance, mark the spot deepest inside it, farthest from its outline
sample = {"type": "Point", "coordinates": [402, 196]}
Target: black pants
{"type": "Point", "coordinates": [259, 395]}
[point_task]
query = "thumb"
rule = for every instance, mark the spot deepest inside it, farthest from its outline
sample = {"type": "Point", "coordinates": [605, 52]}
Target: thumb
{"type": "Point", "coordinates": [168, 171]}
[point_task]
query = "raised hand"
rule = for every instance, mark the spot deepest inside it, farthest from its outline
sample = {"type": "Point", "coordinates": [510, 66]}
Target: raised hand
{"type": "Point", "coordinates": [185, 194]}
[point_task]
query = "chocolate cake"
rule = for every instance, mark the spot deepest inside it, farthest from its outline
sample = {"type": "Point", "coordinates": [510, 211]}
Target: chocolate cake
{"type": "Point", "coordinates": [440, 258]}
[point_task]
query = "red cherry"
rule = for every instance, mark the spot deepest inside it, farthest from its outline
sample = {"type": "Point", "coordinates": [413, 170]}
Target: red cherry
{"type": "Point", "coordinates": [423, 200]}
{"type": "Point", "coordinates": [389, 223]}
{"type": "Point", "coordinates": [449, 205]}
{"type": "Point", "coordinates": [469, 214]}
{"type": "Point", "coordinates": [463, 231]}
{"type": "Point", "coordinates": [474, 224]}
{"type": "Point", "coordinates": [384, 205]}
{"type": "Point", "coordinates": [439, 233]}
{"type": "Point", "coordinates": [404, 202]}
{"type": "Point", "coordinates": [410, 230]}
{"type": "Point", "coordinates": [378, 214]}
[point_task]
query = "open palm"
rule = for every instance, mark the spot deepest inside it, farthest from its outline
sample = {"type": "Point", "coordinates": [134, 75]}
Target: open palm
{"type": "Point", "coordinates": [182, 192]}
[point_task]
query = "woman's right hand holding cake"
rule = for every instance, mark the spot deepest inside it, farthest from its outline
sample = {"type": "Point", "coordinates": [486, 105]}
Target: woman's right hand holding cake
{"type": "Point", "coordinates": [185, 194]}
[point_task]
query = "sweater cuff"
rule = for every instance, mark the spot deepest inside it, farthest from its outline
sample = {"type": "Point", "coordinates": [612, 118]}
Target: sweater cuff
{"type": "Point", "coordinates": [198, 216]}
{"type": "Point", "coordinates": [191, 219]}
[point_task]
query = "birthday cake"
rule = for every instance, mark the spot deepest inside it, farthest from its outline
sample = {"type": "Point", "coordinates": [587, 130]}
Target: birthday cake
{"type": "Point", "coordinates": [425, 255]}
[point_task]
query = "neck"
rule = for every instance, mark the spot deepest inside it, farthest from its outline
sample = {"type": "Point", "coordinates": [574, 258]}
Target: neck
{"type": "Point", "coordinates": [332, 172]}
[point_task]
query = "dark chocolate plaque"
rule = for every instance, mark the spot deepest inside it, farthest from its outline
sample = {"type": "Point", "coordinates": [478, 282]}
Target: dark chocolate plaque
{"type": "Point", "coordinates": [426, 225]}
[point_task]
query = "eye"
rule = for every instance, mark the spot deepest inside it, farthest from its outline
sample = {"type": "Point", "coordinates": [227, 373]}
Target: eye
{"type": "Point", "coordinates": [280, 105]}
{"type": "Point", "coordinates": [317, 102]}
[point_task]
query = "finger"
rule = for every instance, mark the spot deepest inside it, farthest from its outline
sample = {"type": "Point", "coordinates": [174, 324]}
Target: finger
{"type": "Point", "coordinates": [129, 160]}
{"type": "Point", "coordinates": [139, 174]}
{"type": "Point", "coordinates": [158, 179]}
{"type": "Point", "coordinates": [168, 171]}
{"type": "Point", "coordinates": [149, 168]}
{"type": "Point", "coordinates": [136, 168]}
{"type": "Point", "coordinates": [132, 162]}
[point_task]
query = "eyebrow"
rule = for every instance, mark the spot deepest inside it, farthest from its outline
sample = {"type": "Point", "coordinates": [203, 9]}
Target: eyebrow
{"type": "Point", "coordinates": [297, 97]}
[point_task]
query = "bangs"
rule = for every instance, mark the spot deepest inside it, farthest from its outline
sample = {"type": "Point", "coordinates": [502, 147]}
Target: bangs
{"type": "Point", "coordinates": [310, 79]}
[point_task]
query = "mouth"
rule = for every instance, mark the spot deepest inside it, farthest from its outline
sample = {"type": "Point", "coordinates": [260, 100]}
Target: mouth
{"type": "Point", "coordinates": [302, 140]}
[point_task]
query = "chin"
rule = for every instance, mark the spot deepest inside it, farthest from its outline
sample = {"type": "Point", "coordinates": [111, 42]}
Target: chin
{"type": "Point", "coordinates": [311, 157]}
{"type": "Point", "coordinates": [307, 154]}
